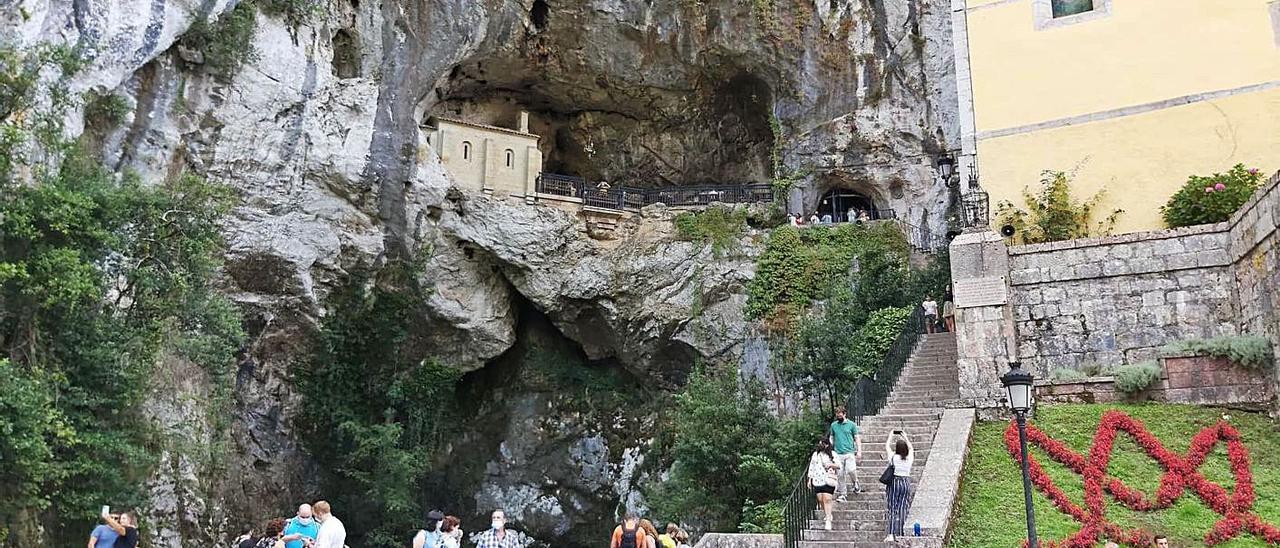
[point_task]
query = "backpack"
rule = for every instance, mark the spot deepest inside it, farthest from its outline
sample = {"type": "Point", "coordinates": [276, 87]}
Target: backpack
{"type": "Point", "coordinates": [630, 537]}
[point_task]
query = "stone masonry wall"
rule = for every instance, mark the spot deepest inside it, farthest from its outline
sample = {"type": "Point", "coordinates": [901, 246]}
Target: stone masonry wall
{"type": "Point", "coordinates": [1118, 299]}
{"type": "Point", "coordinates": [1255, 253]}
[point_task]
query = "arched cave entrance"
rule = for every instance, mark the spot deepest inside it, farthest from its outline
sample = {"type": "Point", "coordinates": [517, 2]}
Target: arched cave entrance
{"type": "Point", "coordinates": [838, 202]}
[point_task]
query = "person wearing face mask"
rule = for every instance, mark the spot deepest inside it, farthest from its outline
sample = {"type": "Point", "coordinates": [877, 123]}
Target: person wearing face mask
{"type": "Point", "coordinates": [300, 528]}
{"type": "Point", "coordinates": [432, 536]}
{"type": "Point", "coordinates": [497, 536]}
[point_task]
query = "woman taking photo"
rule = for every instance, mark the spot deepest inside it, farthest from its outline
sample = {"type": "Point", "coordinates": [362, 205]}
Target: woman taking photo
{"type": "Point", "coordinates": [822, 476]}
{"type": "Point", "coordinates": [898, 492]}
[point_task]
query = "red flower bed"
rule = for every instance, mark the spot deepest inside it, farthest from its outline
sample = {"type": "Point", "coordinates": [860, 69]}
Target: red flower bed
{"type": "Point", "coordinates": [1181, 474]}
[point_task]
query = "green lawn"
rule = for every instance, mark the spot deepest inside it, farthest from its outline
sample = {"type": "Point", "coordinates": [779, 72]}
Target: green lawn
{"type": "Point", "coordinates": [990, 512]}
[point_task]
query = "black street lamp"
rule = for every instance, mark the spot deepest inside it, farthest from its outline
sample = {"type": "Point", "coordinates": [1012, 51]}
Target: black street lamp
{"type": "Point", "coordinates": [946, 167]}
{"type": "Point", "coordinates": [1019, 384]}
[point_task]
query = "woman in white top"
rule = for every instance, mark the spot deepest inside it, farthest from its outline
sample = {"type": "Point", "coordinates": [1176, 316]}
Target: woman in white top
{"type": "Point", "coordinates": [822, 476]}
{"type": "Point", "coordinates": [899, 493]}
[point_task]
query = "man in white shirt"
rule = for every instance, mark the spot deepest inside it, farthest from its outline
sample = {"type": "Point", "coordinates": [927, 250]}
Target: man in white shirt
{"type": "Point", "coordinates": [332, 534]}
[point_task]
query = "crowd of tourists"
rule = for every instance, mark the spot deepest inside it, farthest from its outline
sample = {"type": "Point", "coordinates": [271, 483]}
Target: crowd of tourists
{"type": "Point", "coordinates": [857, 216]}
{"type": "Point", "coordinates": [636, 532]}
{"type": "Point", "coordinates": [313, 526]}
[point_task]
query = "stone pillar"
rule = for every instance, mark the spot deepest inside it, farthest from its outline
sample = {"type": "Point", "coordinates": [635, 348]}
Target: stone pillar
{"type": "Point", "coordinates": [524, 121]}
{"type": "Point", "coordinates": [985, 336]}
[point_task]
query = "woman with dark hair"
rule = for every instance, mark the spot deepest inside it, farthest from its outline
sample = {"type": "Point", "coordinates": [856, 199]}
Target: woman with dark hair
{"type": "Point", "coordinates": [271, 534]}
{"type": "Point", "coordinates": [899, 492]}
{"type": "Point", "coordinates": [822, 476]}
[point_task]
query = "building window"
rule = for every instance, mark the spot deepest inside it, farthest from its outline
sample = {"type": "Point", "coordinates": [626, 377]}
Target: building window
{"type": "Point", "coordinates": [511, 158]}
{"type": "Point", "coordinates": [1064, 8]}
{"type": "Point", "coordinates": [1051, 14]}
{"type": "Point", "coordinates": [466, 150]}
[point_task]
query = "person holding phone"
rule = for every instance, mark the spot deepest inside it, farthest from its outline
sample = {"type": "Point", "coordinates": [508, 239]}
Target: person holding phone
{"type": "Point", "coordinates": [898, 494]}
{"type": "Point", "coordinates": [125, 528]}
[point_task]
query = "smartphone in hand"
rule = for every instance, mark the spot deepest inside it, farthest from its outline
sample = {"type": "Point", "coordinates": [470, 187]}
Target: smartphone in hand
{"type": "Point", "coordinates": [106, 510]}
{"type": "Point", "coordinates": [898, 432]}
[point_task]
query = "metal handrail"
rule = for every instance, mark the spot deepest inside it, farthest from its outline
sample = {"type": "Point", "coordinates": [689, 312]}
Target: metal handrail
{"type": "Point", "coordinates": [868, 397]}
{"type": "Point", "coordinates": [626, 197]}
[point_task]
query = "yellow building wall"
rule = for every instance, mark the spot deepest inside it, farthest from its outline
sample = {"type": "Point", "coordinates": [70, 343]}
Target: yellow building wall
{"type": "Point", "coordinates": [1144, 51]}
{"type": "Point", "coordinates": [1140, 160]}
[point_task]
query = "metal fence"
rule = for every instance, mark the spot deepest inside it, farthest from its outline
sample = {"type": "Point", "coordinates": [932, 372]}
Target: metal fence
{"type": "Point", "coordinates": [923, 239]}
{"type": "Point", "coordinates": [868, 397]}
{"type": "Point", "coordinates": [625, 197]}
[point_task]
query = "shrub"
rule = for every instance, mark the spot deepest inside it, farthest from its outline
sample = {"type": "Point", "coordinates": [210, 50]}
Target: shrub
{"type": "Point", "coordinates": [763, 519]}
{"type": "Point", "coordinates": [105, 110]}
{"type": "Point", "coordinates": [1135, 377]}
{"type": "Point", "coordinates": [1248, 351]}
{"type": "Point", "coordinates": [801, 265]}
{"type": "Point", "coordinates": [1067, 374]}
{"type": "Point", "coordinates": [1211, 199]}
{"type": "Point", "coordinates": [227, 43]}
{"type": "Point", "coordinates": [720, 226]}
{"type": "Point", "coordinates": [1054, 215]}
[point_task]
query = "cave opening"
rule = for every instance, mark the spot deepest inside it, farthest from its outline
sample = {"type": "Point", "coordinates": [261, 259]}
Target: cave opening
{"type": "Point", "coordinates": [539, 13]}
{"type": "Point", "coordinates": [346, 55]}
{"type": "Point", "coordinates": [523, 418]}
{"type": "Point", "coordinates": [844, 205]}
{"type": "Point", "coordinates": [718, 129]}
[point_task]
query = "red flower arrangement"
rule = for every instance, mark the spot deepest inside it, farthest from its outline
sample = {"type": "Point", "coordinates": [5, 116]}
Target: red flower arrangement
{"type": "Point", "coordinates": [1181, 473]}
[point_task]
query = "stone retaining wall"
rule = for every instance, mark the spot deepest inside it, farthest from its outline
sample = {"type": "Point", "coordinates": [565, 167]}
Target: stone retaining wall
{"type": "Point", "coordinates": [1116, 299]}
{"type": "Point", "coordinates": [739, 540]}
{"type": "Point", "coordinates": [1188, 379]}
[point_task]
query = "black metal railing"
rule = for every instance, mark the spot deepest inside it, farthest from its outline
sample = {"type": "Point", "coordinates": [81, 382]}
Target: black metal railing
{"type": "Point", "coordinates": [870, 393]}
{"type": "Point", "coordinates": [625, 197]}
{"type": "Point", "coordinates": [868, 397]}
{"type": "Point", "coordinates": [923, 239]}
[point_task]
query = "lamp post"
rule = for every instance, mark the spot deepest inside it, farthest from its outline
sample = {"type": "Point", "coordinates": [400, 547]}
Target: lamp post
{"type": "Point", "coordinates": [946, 167]}
{"type": "Point", "coordinates": [1019, 383]}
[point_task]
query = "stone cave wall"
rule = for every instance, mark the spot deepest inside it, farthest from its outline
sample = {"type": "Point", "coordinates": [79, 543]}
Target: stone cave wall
{"type": "Point", "coordinates": [318, 135]}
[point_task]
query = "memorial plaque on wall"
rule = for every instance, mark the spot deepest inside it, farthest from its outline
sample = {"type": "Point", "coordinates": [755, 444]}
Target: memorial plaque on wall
{"type": "Point", "coordinates": [990, 291]}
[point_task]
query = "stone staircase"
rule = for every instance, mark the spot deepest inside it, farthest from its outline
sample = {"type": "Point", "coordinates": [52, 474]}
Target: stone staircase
{"type": "Point", "coordinates": [927, 383]}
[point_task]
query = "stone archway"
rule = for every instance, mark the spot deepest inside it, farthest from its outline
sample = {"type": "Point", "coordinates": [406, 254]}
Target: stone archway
{"type": "Point", "coordinates": [838, 202]}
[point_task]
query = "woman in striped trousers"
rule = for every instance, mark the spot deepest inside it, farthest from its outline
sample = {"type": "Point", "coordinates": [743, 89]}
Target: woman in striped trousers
{"type": "Point", "coordinates": [899, 493]}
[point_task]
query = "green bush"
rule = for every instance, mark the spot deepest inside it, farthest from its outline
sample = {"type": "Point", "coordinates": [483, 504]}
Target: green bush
{"type": "Point", "coordinates": [227, 43]}
{"type": "Point", "coordinates": [763, 519]}
{"type": "Point", "coordinates": [1054, 215]}
{"type": "Point", "coordinates": [730, 454]}
{"type": "Point", "coordinates": [106, 110]}
{"type": "Point", "coordinates": [374, 408]}
{"type": "Point", "coordinates": [1246, 350]}
{"type": "Point", "coordinates": [876, 338]}
{"type": "Point", "coordinates": [294, 12]}
{"type": "Point", "coordinates": [1211, 199]}
{"type": "Point", "coordinates": [718, 225]}
{"type": "Point", "coordinates": [97, 279]}
{"type": "Point", "coordinates": [1133, 378]}
{"type": "Point", "coordinates": [801, 265]}
{"type": "Point", "coordinates": [1067, 374]}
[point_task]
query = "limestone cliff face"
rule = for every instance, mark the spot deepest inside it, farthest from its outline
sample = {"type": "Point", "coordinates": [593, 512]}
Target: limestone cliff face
{"type": "Point", "coordinates": [319, 134]}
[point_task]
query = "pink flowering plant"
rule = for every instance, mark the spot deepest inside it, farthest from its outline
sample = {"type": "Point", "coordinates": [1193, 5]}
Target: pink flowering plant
{"type": "Point", "coordinates": [1211, 199]}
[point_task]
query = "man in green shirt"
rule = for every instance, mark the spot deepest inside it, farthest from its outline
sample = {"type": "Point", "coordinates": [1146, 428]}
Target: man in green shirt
{"type": "Point", "coordinates": [848, 449]}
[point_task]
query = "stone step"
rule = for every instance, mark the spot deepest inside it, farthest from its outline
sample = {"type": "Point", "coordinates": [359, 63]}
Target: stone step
{"type": "Point", "coordinates": [842, 544]}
